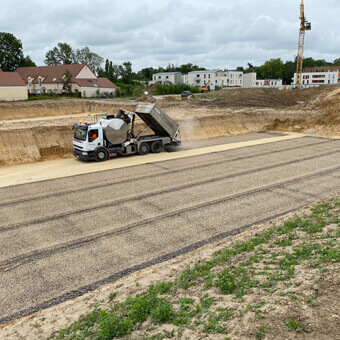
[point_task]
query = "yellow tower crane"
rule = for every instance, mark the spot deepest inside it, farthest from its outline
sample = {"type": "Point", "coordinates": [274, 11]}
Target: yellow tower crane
{"type": "Point", "coordinates": [305, 26]}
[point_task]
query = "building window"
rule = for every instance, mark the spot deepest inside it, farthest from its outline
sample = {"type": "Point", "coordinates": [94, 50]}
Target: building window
{"type": "Point", "coordinates": [159, 77]}
{"type": "Point", "coordinates": [167, 77]}
{"type": "Point", "coordinates": [205, 76]}
{"type": "Point", "coordinates": [198, 75]}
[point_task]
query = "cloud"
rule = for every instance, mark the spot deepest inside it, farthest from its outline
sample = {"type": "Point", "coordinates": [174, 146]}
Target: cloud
{"type": "Point", "coordinates": [213, 34]}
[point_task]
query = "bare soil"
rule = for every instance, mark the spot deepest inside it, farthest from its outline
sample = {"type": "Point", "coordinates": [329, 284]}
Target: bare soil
{"type": "Point", "coordinates": [311, 295]}
{"type": "Point", "coordinates": [39, 130]}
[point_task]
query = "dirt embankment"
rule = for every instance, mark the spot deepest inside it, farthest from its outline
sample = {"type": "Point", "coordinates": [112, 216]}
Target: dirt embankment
{"type": "Point", "coordinates": [34, 131]}
{"type": "Point", "coordinates": [51, 108]}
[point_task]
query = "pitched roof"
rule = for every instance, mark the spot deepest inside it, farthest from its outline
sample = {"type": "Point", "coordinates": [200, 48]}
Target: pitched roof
{"type": "Point", "coordinates": [10, 79]}
{"type": "Point", "coordinates": [50, 73]}
{"type": "Point", "coordinates": [99, 82]}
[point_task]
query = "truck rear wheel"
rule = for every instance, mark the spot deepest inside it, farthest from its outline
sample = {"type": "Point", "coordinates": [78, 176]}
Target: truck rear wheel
{"type": "Point", "coordinates": [144, 149]}
{"type": "Point", "coordinates": [156, 146]}
{"type": "Point", "coordinates": [101, 155]}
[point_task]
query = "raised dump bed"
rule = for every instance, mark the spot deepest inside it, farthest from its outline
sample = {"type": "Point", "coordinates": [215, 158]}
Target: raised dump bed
{"type": "Point", "coordinates": [158, 121]}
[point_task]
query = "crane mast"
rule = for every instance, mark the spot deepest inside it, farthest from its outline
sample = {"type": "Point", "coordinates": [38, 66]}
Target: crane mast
{"type": "Point", "coordinates": [304, 26]}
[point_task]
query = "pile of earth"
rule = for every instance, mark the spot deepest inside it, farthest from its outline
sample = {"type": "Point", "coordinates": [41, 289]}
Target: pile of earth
{"type": "Point", "coordinates": [147, 99]}
{"type": "Point", "coordinates": [270, 98]}
{"type": "Point", "coordinates": [308, 94]}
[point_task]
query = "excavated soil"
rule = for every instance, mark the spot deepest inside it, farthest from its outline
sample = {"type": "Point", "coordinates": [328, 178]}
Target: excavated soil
{"type": "Point", "coordinates": [35, 131]}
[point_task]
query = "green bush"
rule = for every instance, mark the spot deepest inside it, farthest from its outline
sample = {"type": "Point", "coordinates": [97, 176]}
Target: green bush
{"type": "Point", "coordinates": [175, 89]}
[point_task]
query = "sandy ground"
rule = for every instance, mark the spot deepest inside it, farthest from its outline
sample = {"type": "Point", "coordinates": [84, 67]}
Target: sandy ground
{"type": "Point", "coordinates": [38, 131]}
{"type": "Point", "coordinates": [29, 173]}
{"type": "Point", "coordinates": [61, 316]}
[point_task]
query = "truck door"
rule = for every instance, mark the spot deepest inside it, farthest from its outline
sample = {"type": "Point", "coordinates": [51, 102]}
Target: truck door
{"type": "Point", "coordinates": [94, 138]}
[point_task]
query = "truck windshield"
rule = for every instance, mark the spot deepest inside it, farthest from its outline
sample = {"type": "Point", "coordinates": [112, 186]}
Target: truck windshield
{"type": "Point", "coordinates": [80, 134]}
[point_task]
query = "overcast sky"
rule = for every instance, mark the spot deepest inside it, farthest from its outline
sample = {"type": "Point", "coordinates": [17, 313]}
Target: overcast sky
{"type": "Point", "coordinates": [209, 33]}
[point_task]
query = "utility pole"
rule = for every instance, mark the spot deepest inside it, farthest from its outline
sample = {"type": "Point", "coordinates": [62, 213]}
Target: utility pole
{"type": "Point", "coordinates": [304, 26]}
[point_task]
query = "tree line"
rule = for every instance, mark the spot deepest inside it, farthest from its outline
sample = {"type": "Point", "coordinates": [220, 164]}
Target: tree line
{"type": "Point", "coordinates": [12, 56]}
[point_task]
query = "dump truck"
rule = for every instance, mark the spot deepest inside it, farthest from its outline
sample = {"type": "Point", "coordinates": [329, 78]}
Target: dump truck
{"type": "Point", "coordinates": [114, 135]}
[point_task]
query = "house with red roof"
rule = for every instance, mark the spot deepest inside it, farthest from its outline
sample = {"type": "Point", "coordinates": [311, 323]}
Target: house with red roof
{"type": "Point", "coordinates": [12, 87]}
{"type": "Point", "coordinates": [47, 79]}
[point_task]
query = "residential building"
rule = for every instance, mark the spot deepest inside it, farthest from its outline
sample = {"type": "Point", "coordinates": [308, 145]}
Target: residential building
{"type": "Point", "coordinates": [12, 87]}
{"type": "Point", "coordinates": [222, 79]}
{"type": "Point", "coordinates": [316, 76]}
{"type": "Point", "coordinates": [229, 79]}
{"type": "Point", "coordinates": [167, 78]}
{"type": "Point", "coordinates": [47, 79]}
{"type": "Point", "coordinates": [200, 78]}
{"type": "Point", "coordinates": [276, 83]}
{"type": "Point", "coordinates": [249, 79]}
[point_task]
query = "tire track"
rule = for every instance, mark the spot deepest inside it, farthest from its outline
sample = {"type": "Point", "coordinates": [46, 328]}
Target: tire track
{"type": "Point", "coordinates": [159, 192]}
{"type": "Point", "coordinates": [166, 172]}
{"type": "Point", "coordinates": [114, 277]}
{"type": "Point", "coordinates": [39, 254]}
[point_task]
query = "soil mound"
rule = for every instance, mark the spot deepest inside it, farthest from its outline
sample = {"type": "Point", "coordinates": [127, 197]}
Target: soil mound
{"type": "Point", "coordinates": [329, 102]}
{"type": "Point", "coordinates": [248, 98]}
{"type": "Point", "coordinates": [148, 99]}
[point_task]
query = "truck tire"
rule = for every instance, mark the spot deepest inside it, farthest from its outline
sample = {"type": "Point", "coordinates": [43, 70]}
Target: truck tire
{"type": "Point", "coordinates": [144, 149]}
{"type": "Point", "coordinates": [101, 155]}
{"type": "Point", "coordinates": [157, 146]}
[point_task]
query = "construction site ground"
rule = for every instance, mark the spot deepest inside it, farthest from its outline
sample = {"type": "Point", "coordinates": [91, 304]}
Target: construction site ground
{"type": "Point", "coordinates": [71, 238]}
{"type": "Point", "coordinates": [40, 130]}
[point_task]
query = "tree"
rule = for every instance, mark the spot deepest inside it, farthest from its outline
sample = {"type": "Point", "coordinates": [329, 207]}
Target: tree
{"type": "Point", "coordinates": [91, 59]}
{"type": "Point", "coordinates": [67, 86]}
{"type": "Point", "coordinates": [125, 72]}
{"type": "Point", "coordinates": [288, 72]}
{"type": "Point", "coordinates": [11, 53]}
{"type": "Point", "coordinates": [61, 54]}
{"type": "Point", "coordinates": [272, 69]}
{"type": "Point", "coordinates": [27, 61]}
{"type": "Point", "coordinates": [336, 62]}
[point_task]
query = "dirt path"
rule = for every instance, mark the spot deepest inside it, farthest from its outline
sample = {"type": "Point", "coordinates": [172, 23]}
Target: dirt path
{"type": "Point", "coordinates": [30, 173]}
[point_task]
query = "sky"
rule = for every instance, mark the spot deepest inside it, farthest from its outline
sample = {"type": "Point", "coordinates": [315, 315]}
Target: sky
{"type": "Point", "coordinates": [215, 34]}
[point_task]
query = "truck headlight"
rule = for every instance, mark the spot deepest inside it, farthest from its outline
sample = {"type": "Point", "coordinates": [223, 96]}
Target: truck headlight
{"type": "Point", "coordinates": [84, 153]}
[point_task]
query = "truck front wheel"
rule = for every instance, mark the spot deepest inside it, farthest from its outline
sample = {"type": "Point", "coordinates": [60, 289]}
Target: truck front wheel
{"type": "Point", "coordinates": [157, 146]}
{"type": "Point", "coordinates": [101, 155]}
{"type": "Point", "coordinates": [144, 149]}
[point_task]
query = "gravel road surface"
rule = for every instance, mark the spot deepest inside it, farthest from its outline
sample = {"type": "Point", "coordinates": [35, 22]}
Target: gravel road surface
{"type": "Point", "coordinates": [63, 237]}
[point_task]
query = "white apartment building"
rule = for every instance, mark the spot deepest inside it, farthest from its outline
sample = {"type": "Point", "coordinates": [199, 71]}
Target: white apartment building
{"type": "Point", "coordinates": [200, 78]}
{"type": "Point", "coordinates": [230, 79]}
{"type": "Point", "coordinates": [249, 79]}
{"type": "Point", "coordinates": [217, 77]}
{"type": "Point", "coordinates": [167, 78]}
{"type": "Point", "coordinates": [313, 79]}
{"type": "Point", "coordinates": [276, 83]}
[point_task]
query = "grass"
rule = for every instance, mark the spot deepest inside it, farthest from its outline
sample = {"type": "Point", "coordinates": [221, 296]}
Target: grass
{"type": "Point", "coordinates": [246, 281]}
{"type": "Point", "coordinates": [297, 325]}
